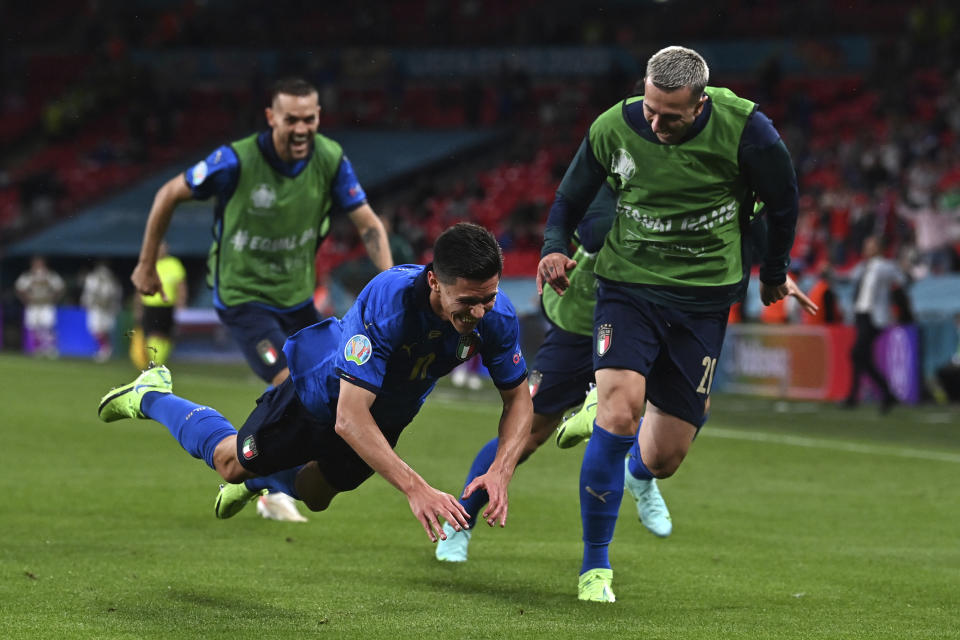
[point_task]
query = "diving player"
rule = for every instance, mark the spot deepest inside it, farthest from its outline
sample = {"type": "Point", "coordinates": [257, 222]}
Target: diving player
{"type": "Point", "coordinates": [356, 384]}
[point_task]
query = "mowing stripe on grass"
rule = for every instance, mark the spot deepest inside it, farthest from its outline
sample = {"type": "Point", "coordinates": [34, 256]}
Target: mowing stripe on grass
{"type": "Point", "coordinates": [833, 445]}
{"type": "Point", "coordinates": [452, 401]}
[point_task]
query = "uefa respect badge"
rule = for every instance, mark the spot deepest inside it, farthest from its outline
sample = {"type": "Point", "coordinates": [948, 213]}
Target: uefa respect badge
{"type": "Point", "coordinates": [358, 349]}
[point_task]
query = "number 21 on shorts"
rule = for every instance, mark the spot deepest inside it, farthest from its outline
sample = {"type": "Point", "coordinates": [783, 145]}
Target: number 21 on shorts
{"type": "Point", "coordinates": [709, 367]}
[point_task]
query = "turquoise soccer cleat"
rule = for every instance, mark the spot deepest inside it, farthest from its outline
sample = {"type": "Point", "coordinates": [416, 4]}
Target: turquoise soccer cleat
{"type": "Point", "coordinates": [595, 586]}
{"type": "Point", "coordinates": [454, 548]}
{"type": "Point", "coordinates": [651, 508]}
{"type": "Point", "coordinates": [231, 499]}
{"type": "Point", "coordinates": [578, 427]}
{"type": "Point", "coordinates": [124, 402]}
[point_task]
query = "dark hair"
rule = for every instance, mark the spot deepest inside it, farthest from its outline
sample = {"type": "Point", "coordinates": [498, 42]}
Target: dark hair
{"type": "Point", "coordinates": [291, 86]}
{"type": "Point", "coordinates": [467, 251]}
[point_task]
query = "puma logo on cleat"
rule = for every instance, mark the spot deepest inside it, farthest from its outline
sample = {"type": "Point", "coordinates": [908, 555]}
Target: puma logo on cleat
{"type": "Point", "coordinates": [602, 497]}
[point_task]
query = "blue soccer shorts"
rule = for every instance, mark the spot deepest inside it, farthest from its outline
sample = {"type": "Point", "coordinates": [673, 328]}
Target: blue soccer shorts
{"type": "Point", "coordinates": [675, 350]}
{"type": "Point", "coordinates": [260, 333]}
{"type": "Point", "coordinates": [562, 372]}
{"type": "Point", "coordinates": [280, 434]}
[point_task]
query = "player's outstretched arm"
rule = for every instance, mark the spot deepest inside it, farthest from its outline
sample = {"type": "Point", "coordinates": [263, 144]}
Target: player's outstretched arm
{"type": "Point", "coordinates": [373, 235]}
{"type": "Point", "coordinates": [553, 270]}
{"type": "Point", "coordinates": [515, 424]}
{"type": "Point", "coordinates": [357, 427]}
{"type": "Point", "coordinates": [145, 277]}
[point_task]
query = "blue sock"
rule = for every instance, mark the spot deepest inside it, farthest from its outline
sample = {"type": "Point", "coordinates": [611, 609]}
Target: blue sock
{"type": "Point", "coordinates": [197, 428]}
{"type": "Point", "coordinates": [474, 504]}
{"type": "Point", "coordinates": [601, 490]}
{"type": "Point", "coordinates": [635, 462]}
{"type": "Point", "coordinates": [279, 482]}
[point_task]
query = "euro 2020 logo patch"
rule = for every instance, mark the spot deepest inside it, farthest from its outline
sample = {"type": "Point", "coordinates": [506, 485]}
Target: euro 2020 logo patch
{"type": "Point", "coordinates": [604, 338]}
{"type": "Point", "coordinates": [358, 349]}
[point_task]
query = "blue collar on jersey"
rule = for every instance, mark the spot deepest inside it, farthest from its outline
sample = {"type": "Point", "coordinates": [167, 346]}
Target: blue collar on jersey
{"type": "Point", "coordinates": [288, 169]}
{"type": "Point", "coordinates": [633, 114]}
{"type": "Point", "coordinates": [421, 290]}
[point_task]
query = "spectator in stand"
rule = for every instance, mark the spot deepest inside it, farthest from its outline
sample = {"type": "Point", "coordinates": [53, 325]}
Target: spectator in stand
{"type": "Point", "coordinates": [101, 299]}
{"type": "Point", "coordinates": [824, 297]}
{"type": "Point", "coordinates": [875, 277]}
{"type": "Point", "coordinates": [39, 289]}
{"type": "Point", "coordinates": [934, 233]}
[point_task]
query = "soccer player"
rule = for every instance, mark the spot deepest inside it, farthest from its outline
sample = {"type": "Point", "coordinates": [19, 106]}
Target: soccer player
{"type": "Point", "coordinates": [563, 375]}
{"type": "Point", "coordinates": [356, 383]}
{"type": "Point", "coordinates": [275, 192]}
{"type": "Point", "coordinates": [687, 162]}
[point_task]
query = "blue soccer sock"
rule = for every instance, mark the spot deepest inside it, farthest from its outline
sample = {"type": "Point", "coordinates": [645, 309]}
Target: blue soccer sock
{"type": "Point", "coordinates": [197, 428]}
{"type": "Point", "coordinates": [481, 463]}
{"type": "Point", "coordinates": [601, 490]}
{"type": "Point", "coordinates": [279, 482]}
{"type": "Point", "coordinates": [635, 461]}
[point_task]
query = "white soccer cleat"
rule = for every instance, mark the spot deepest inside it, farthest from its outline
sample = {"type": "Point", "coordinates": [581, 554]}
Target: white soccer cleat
{"type": "Point", "coordinates": [454, 548]}
{"type": "Point", "coordinates": [279, 506]}
{"type": "Point", "coordinates": [651, 508]}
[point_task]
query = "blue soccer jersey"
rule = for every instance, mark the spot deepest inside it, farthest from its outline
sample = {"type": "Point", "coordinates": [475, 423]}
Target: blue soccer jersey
{"type": "Point", "coordinates": [393, 344]}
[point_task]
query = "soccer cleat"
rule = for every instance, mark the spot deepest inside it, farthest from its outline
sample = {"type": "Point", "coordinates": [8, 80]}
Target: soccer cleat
{"type": "Point", "coordinates": [124, 402]}
{"type": "Point", "coordinates": [279, 506]}
{"type": "Point", "coordinates": [454, 548]}
{"type": "Point", "coordinates": [578, 427]}
{"type": "Point", "coordinates": [594, 586]}
{"type": "Point", "coordinates": [231, 499]}
{"type": "Point", "coordinates": [651, 509]}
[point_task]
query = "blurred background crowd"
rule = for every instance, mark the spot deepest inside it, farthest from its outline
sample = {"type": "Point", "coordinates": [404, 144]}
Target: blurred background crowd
{"type": "Point", "coordinates": [99, 96]}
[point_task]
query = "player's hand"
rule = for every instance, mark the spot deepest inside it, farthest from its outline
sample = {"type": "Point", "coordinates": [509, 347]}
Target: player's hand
{"type": "Point", "coordinates": [147, 281]}
{"type": "Point", "coordinates": [430, 505]}
{"type": "Point", "coordinates": [553, 270]}
{"type": "Point", "coordinates": [793, 290]}
{"type": "Point", "coordinates": [495, 484]}
{"type": "Point", "coordinates": [770, 293]}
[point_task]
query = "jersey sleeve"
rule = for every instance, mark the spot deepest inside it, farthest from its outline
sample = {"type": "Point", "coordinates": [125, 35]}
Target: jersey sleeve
{"type": "Point", "coordinates": [346, 190]}
{"type": "Point", "coordinates": [769, 171]}
{"type": "Point", "coordinates": [214, 176]}
{"type": "Point", "coordinates": [578, 188]}
{"type": "Point", "coordinates": [502, 354]}
{"type": "Point", "coordinates": [366, 343]}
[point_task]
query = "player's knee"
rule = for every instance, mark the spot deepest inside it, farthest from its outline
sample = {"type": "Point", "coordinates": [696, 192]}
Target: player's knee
{"type": "Point", "coordinates": [313, 488]}
{"type": "Point", "coordinates": [316, 505]}
{"type": "Point", "coordinates": [234, 473]}
{"type": "Point", "coordinates": [226, 463]}
{"type": "Point", "coordinates": [664, 466]}
{"type": "Point", "coordinates": [618, 420]}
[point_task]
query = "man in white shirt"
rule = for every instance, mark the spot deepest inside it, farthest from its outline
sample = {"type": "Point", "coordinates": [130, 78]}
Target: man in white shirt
{"type": "Point", "coordinates": [39, 289]}
{"type": "Point", "coordinates": [875, 277]}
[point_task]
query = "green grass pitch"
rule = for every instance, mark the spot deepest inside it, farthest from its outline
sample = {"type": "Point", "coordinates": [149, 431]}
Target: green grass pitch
{"type": "Point", "coordinates": [791, 520]}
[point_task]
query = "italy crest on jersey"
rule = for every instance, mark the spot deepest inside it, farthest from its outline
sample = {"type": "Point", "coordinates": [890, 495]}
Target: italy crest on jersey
{"type": "Point", "coordinates": [604, 338]}
{"type": "Point", "coordinates": [467, 346]}
{"type": "Point", "coordinates": [358, 349]}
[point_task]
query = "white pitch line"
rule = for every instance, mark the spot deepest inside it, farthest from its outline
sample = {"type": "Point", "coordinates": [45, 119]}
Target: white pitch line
{"type": "Point", "coordinates": [833, 445]}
